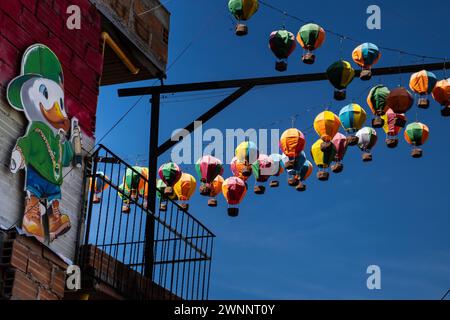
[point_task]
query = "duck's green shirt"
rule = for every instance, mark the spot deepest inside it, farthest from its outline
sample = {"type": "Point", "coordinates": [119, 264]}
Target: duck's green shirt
{"type": "Point", "coordinates": [36, 146]}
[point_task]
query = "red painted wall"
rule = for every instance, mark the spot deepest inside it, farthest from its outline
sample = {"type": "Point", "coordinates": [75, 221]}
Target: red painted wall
{"type": "Point", "coordinates": [25, 22]}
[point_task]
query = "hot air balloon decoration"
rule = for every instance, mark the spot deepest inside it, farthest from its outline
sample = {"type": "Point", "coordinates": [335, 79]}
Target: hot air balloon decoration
{"type": "Point", "coordinates": [160, 187]}
{"type": "Point", "coordinates": [366, 55]}
{"type": "Point", "coordinates": [292, 142]}
{"type": "Point", "coordinates": [377, 102]}
{"type": "Point", "coordinates": [134, 185]}
{"type": "Point", "coordinates": [393, 124]}
{"type": "Point", "coordinates": [234, 190]}
{"type": "Point", "coordinates": [367, 139]}
{"type": "Point", "coordinates": [340, 143]}
{"type": "Point", "coordinates": [208, 168]}
{"type": "Point", "coordinates": [242, 10]}
{"type": "Point", "coordinates": [184, 189]}
{"type": "Point", "coordinates": [340, 74]}
{"type": "Point", "coordinates": [293, 172]}
{"type": "Point", "coordinates": [237, 168]}
{"type": "Point", "coordinates": [441, 93]}
{"type": "Point", "coordinates": [304, 173]}
{"type": "Point", "coordinates": [216, 189]}
{"type": "Point", "coordinates": [326, 124]}
{"type": "Point", "coordinates": [352, 118]}
{"type": "Point", "coordinates": [247, 153]}
{"type": "Point", "coordinates": [323, 159]}
{"type": "Point", "coordinates": [100, 185]}
{"type": "Point", "coordinates": [170, 173]}
{"type": "Point", "coordinates": [261, 170]}
{"type": "Point", "coordinates": [282, 44]}
{"type": "Point", "coordinates": [400, 100]}
{"type": "Point", "coordinates": [423, 83]}
{"type": "Point", "coordinates": [416, 134]}
{"type": "Point", "coordinates": [276, 170]}
{"type": "Point", "coordinates": [310, 36]}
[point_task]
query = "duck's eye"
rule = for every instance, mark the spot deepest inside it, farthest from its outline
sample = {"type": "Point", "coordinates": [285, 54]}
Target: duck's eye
{"type": "Point", "coordinates": [43, 91]}
{"type": "Point", "coordinates": [61, 103]}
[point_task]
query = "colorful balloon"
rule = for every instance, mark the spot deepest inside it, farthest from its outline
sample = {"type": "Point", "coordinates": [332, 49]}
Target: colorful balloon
{"type": "Point", "coordinates": [100, 185]}
{"type": "Point", "coordinates": [323, 158]}
{"type": "Point", "coordinates": [441, 93]}
{"type": "Point", "coordinates": [423, 83]}
{"type": "Point", "coordinates": [366, 55]}
{"type": "Point", "coordinates": [367, 139]}
{"type": "Point", "coordinates": [327, 125]}
{"type": "Point", "coordinates": [416, 134]}
{"type": "Point", "coordinates": [160, 187]}
{"type": "Point", "coordinates": [292, 142]}
{"type": "Point", "coordinates": [297, 164]}
{"type": "Point", "coordinates": [242, 10]}
{"type": "Point", "coordinates": [340, 74]}
{"type": "Point", "coordinates": [261, 170]}
{"type": "Point", "coordinates": [282, 44]}
{"type": "Point", "coordinates": [247, 153]}
{"type": "Point", "coordinates": [216, 189]}
{"type": "Point", "coordinates": [400, 100]}
{"type": "Point", "coordinates": [377, 102]}
{"type": "Point", "coordinates": [340, 143]}
{"type": "Point", "coordinates": [352, 118]}
{"type": "Point", "coordinates": [170, 173]}
{"type": "Point", "coordinates": [303, 174]}
{"type": "Point", "coordinates": [310, 36]}
{"type": "Point", "coordinates": [276, 170]}
{"type": "Point", "coordinates": [134, 185]}
{"type": "Point", "coordinates": [234, 190]}
{"type": "Point", "coordinates": [393, 124]}
{"type": "Point", "coordinates": [238, 169]}
{"type": "Point", "coordinates": [184, 189]}
{"type": "Point", "coordinates": [208, 168]}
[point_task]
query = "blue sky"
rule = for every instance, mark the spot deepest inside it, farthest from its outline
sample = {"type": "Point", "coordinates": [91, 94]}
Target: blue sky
{"type": "Point", "coordinates": [392, 212]}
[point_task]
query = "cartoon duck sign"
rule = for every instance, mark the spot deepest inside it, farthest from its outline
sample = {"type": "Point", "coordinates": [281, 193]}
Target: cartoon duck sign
{"type": "Point", "coordinates": [45, 148]}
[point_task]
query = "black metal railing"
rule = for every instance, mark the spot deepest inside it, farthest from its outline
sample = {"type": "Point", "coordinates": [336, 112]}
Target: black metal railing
{"type": "Point", "coordinates": [141, 254]}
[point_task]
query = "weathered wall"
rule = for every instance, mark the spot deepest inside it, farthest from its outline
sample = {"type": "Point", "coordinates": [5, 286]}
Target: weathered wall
{"type": "Point", "coordinates": [26, 22]}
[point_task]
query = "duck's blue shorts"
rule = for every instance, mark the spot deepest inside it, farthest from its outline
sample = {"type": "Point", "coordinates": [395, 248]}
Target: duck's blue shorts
{"type": "Point", "coordinates": [40, 187]}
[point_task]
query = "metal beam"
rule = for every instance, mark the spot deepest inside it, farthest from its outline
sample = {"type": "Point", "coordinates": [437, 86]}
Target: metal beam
{"type": "Point", "coordinates": [237, 83]}
{"type": "Point", "coordinates": [169, 143]}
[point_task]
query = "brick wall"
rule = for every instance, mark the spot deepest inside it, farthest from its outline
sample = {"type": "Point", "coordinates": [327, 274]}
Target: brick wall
{"type": "Point", "coordinates": [28, 270]}
{"type": "Point", "coordinates": [23, 23]}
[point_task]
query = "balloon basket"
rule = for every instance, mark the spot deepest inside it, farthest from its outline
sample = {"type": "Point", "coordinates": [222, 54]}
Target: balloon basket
{"type": "Point", "coordinates": [184, 206]}
{"type": "Point", "coordinates": [163, 206]}
{"type": "Point", "coordinates": [96, 199]}
{"type": "Point", "coordinates": [126, 209]}
{"type": "Point", "coordinates": [247, 172]}
{"type": "Point", "coordinates": [168, 191]}
{"type": "Point", "coordinates": [212, 203]}
{"type": "Point", "coordinates": [293, 182]}
{"type": "Point", "coordinates": [241, 30]}
{"type": "Point", "coordinates": [340, 95]}
{"type": "Point", "coordinates": [289, 164]}
{"type": "Point", "coordinates": [337, 168]}
{"type": "Point", "coordinates": [274, 184]}
{"type": "Point", "coordinates": [392, 143]}
{"type": "Point", "coordinates": [366, 74]}
{"type": "Point", "coordinates": [400, 122]}
{"type": "Point", "coordinates": [308, 58]}
{"type": "Point", "coordinates": [281, 66]}
{"type": "Point", "coordinates": [301, 187]}
{"type": "Point", "coordinates": [325, 146]}
{"type": "Point", "coordinates": [133, 195]}
{"type": "Point", "coordinates": [259, 189]}
{"type": "Point", "coordinates": [323, 175]}
{"type": "Point", "coordinates": [423, 103]}
{"type": "Point", "coordinates": [352, 140]}
{"type": "Point", "coordinates": [366, 157]}
{"type": "Point", "coordinates": [416, 153]}
{"type": "Point", "coordinates": [446, 111]}
{"type": "Point", "coordinates": [204, 190]}
{"type": "Point", "coordinates": [233, 212]}
{"type": "Point", "coordinates": [377, 122]}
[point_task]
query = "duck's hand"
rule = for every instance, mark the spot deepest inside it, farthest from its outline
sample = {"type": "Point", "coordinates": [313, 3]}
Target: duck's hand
{"type": "Point", "coordinates": [17, 161]}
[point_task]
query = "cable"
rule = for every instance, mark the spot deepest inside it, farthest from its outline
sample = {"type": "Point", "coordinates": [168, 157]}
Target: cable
{"type": "Point", "coordinates": [445, 295]}
{"type": "Point", "coordinates": [344, 37]}
{"type": "Point", "coordinates": [154, 8]}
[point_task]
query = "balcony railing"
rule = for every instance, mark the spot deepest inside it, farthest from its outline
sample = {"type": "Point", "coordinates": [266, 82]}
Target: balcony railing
{"type": "Point", "coordinates": [141, 254]}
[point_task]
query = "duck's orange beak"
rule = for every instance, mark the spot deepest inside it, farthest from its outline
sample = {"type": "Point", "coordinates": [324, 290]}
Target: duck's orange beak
{"type": "Point", "coordinates": [55, 117]}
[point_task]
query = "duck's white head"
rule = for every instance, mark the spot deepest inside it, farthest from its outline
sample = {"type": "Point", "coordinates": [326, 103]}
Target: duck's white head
{"type": "Point", "coordinates": [43, 100]}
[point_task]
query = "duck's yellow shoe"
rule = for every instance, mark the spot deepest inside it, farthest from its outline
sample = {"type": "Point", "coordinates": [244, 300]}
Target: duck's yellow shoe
{"type": "Point", "coordinates": [31, 222]}
{"type": "Point", "coordinates": [58, 223]}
